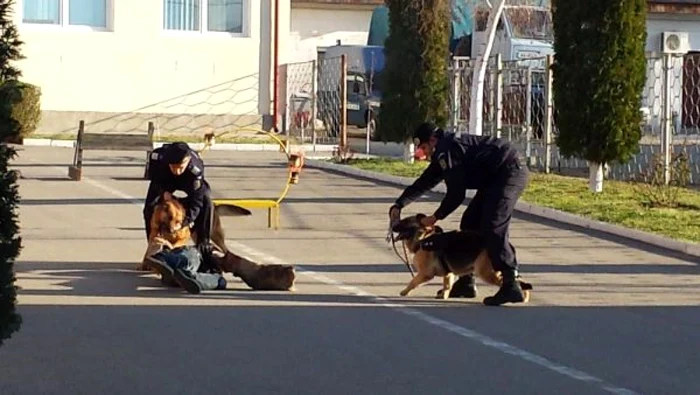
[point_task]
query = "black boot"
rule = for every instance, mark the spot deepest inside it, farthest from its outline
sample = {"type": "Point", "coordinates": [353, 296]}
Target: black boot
{"type": "Point", "coordinates": [187, 281]}
{"type": "Point", "coordinates": [464, 287]}
{"type": "Point", "coordinates": [165, 271]}
{"type": "Point", "coordinates": [510, 291]}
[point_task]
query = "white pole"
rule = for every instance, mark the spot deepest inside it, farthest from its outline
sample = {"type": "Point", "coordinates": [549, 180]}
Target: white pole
{"type": "Point", "coordinates": [476, 109]}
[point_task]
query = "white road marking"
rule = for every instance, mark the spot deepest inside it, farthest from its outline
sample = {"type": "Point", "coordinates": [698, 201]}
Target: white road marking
{"type": "Point", "coordinates": [448, 326]}
{"type": "Point", "coordinates": [404, 309]}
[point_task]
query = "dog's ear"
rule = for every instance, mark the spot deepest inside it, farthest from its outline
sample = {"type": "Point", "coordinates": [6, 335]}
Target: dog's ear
{"type": "Point", "coordinates": [399, 227]}
{"type": "Point", "coordinates": [420, 216]}
{"type": "Point", "coordinates": [403, 225]}
{"type": "Point", "coordinates": [438, 229]}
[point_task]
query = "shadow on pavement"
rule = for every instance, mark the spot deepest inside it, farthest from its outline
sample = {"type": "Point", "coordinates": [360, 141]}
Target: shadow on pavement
{"type": "Point", "coordinates": [319, 349]}
{"type": "Point", "coordinates": [119, 279]}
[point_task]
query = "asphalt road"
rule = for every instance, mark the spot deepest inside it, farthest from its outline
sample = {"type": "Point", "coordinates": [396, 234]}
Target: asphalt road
{"type": "Point", "coordinates": [606, 316]}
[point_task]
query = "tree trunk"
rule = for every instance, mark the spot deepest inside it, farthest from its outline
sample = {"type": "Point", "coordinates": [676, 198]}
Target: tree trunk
{"type": "Point", "coordinates": [595, 177]}
{"type": "Point", "coordinates": [408, 150]}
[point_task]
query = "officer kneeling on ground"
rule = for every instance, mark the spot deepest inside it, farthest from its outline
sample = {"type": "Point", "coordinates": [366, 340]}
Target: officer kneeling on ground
{"type": "Point", "coordinates": [492, 167]}
{"type": "Point", "coordinates": [176, 167]}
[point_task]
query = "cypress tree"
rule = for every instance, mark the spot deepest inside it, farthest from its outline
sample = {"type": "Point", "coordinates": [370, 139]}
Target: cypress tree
{"type": "Point", "coordinates": [415, 79]}
{"type": "Point", "coordinates": [599, 74]}
{"type": "Point", "coordinates": [10, 43]}
{"type": "Point", "coordinates": [10, 241]}
{"type": "Point", "coordinates": [10, 245]}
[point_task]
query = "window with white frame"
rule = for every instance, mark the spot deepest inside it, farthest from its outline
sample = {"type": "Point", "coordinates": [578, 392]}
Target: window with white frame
{"type": "Point", "coordinates": [204, 15]}
{"type": "Point", "coordinates": [92, 13]}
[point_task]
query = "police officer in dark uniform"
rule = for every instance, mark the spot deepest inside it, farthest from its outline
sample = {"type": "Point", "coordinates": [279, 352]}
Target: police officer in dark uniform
{"type": "Point", "coordinates": [489, 165]}
{"type": "Point", "coordinates": [176, 167]}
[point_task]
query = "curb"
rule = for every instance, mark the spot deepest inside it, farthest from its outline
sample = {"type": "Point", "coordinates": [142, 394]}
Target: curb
{"type": "Point", "coordinates": [692, 249]}
{"type": "Point", "coordinates": [197, 146]}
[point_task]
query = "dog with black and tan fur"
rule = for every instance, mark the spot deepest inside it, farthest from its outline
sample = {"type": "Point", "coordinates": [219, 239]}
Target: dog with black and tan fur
{"type": "Point", "coordinates": [436, 253]}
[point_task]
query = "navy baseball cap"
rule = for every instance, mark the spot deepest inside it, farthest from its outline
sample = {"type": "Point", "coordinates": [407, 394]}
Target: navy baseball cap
{"type": "Point", "coordinates": [424, 132]}
{"type": "Point", "coordinates": [176, 153]}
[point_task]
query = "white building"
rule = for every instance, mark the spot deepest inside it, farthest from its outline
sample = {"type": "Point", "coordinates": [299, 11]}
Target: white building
{"type": "Point", "coordinates": [679, 18]}
{"type": "Point", "coordinates": [187, 65]}
{"type": "Point", "coordinates": [322, 23]}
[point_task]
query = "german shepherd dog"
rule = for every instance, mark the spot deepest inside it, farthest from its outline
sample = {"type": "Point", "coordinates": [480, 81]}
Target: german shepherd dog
{"type": "Point", "coordinates": [447, 255]}
{"type": "Point", "coordinates": [167, 232]}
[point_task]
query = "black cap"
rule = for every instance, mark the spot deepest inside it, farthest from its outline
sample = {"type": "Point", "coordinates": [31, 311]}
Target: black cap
{"type": "Point", "coordinates": [176, 152]}
{"type": "Point", "coordinates": [425, 131]}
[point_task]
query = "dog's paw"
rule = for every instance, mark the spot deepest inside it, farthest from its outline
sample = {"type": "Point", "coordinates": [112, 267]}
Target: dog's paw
{"type": "Point", "coordinates": [404, 292]}
{"type": "Point", "coordinates": [444, 295]}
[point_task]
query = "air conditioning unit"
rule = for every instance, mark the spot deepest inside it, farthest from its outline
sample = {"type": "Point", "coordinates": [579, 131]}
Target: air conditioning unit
{"type": "Point", "coordinates": [674, 42]}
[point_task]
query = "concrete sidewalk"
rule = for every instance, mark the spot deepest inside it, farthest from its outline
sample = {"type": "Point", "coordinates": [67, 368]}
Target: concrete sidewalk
{"type": "Point", "coordinates": [605, 316]}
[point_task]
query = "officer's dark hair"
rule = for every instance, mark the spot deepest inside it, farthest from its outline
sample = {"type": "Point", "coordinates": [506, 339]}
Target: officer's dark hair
{"type": "Point", "coordinates": [176, 152]}
{"type": "Point", "coordinates": [425, 131]}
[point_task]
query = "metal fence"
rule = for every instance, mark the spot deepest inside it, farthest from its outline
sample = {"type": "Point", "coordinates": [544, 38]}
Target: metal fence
{"type": "Point", "coordinates": [312, 98]}
{"type": "Point", "coordinates": [516, 94]}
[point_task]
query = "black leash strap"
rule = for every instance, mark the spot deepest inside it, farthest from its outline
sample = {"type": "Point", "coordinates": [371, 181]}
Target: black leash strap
{"type": "Point", "coordinates": [404, 258]}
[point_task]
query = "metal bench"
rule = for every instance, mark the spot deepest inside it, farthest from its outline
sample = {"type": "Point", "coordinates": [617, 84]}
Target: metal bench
{"type": "Point", "coordinates": [109, 141]}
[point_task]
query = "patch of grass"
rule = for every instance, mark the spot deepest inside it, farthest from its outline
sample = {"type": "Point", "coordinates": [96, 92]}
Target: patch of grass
{"type": "Point", "coordinates": [390, 166]}
{"type": "Point", "coordinates": [620, 202]}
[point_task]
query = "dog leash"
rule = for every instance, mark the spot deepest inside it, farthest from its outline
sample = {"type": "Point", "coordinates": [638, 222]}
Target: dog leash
{"type": "Point", "coordinates": [390, 237]}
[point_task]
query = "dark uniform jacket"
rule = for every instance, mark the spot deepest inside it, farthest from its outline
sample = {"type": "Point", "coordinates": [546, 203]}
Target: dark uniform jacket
{"type": "Point", "coordinates": [464, 162]}
{"type": "Point", "coordinates": [191, 181]}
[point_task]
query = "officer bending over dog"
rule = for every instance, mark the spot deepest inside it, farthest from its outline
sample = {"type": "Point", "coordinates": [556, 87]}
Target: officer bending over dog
{"type": "Point", "coordinates": [492, 167]}
{"type": "Point", "coordinates": [176, 167]}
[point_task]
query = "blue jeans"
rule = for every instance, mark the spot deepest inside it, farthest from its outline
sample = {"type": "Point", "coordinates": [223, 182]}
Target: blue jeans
{"type": "Point", "coordinates": [189, 259]}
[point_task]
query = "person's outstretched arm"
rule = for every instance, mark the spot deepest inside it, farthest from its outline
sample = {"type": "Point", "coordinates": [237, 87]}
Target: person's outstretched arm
{"type": "Point", "coordinates": [430, 177]}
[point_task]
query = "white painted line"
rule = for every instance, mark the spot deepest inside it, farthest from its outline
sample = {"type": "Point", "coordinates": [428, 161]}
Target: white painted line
{"type": "Point", "coordinates": [442, 324]}
{"type": "Point", "coordinates": [445, 325]}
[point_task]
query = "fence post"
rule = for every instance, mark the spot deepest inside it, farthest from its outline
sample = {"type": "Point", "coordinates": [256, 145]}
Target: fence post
{"type": "Point", "coordinates": [528, 116]}
{"type": "Point", "coordinates": [314, 75]}
{"type": "Point", "coordinates": [454, 103]}
{"type": "Point", "coordinates": [666, 133]}
{"type": "Point", "coordinates": [75, 170]}
{"type": "Point", "coordinates": [285, 126]}
{"type": "Point", "coordinates": [79, 143]}
{"type": "Point", "coordinates": [343, 102]}
{"type": "Point", "coordinates": [151, 129]}
{"type": "Point", "coordinates": [548, 115]}
{"type": "Point", "coordinates": [498, 113]}
{"type": "Point", "coordinates": [369, 88]}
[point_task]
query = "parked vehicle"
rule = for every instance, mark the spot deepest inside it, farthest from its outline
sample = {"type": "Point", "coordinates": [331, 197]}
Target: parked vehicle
{"type": "Point", "coordinates": [365, 64]}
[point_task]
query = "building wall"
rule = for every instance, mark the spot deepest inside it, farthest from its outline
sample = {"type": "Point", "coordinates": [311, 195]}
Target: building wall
{"type": "Point", "coordinates": [654, 90]}
{"type": "Point", "coordinates": [658, 23]}
{"type": "Point", "coordinates": [134, 72]}
{"type": "Point", "coordinates": [319, 27]}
